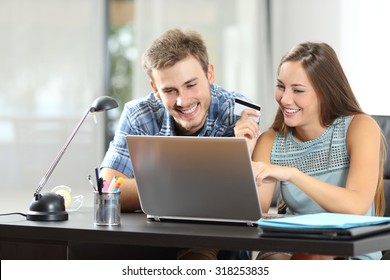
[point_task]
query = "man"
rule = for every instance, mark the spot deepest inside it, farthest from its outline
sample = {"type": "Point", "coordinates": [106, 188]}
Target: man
{"type": "Point", "coordinates": [185, 101]}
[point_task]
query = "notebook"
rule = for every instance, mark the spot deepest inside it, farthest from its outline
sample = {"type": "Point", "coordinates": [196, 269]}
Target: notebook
{"type": "Point", "coordinates": [195, 178]}
{"type": "Point", "coordinates": [325, 226]}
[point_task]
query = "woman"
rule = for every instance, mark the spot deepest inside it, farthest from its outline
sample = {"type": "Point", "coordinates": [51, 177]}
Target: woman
{"type": "Point", "coordinates": [324, 150]}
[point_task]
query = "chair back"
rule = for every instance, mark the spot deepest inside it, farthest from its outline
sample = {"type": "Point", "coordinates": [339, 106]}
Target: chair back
{"type": "Point", "coordinates": [384, 123]}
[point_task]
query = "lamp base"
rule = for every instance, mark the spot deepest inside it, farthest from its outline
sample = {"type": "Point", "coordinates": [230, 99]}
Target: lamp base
{"type": "Point", "coordinates": [47, 207]}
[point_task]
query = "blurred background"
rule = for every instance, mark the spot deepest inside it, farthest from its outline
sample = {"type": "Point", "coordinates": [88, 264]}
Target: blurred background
{"type": "Point", "coordinates": [57, 56]}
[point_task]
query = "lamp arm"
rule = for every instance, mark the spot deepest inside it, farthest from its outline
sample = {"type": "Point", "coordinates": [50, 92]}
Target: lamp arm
{"type": "Point", "coordinates": [59, 155]}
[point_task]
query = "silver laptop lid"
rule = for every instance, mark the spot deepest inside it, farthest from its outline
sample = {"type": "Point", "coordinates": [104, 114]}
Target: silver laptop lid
{"type": "Point", "coordinates": [194, 178]}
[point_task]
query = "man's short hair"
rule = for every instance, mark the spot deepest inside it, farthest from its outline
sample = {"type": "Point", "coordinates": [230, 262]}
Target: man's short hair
{"type": "Point", "coordinates": [173, 46]}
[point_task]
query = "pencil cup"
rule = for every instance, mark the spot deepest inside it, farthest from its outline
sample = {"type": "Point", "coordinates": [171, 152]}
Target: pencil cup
{"type": "Point", "coordinates": [107, 209]}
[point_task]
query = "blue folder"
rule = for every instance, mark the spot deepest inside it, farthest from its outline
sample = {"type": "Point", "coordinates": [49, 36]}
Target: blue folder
{"type": "Point", "coordinates": [324, 226]}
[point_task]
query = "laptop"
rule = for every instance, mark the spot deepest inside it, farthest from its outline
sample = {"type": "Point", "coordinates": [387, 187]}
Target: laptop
{"type": "Point", "coordinates": [189, 178]}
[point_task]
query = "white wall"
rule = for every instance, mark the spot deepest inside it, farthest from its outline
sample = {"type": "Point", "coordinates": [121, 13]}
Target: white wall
{"type": "Point", "coordinates": [364, 48]}
{"type": "Point", "coordinates": [356, 29]}
{"type": "Point", "coordinates": [52, 68]}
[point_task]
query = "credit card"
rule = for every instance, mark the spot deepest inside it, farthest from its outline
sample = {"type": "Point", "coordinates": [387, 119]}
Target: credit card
{"type": "Point", "coordinates": [241, 105]}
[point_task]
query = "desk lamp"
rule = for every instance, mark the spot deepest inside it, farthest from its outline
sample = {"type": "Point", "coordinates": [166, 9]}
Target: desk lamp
{"type": "Point", "coordinates": [50, 206]}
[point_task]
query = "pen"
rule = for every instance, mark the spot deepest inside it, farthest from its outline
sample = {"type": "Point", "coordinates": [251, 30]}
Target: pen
{"type": "Point", "coordinates": [100, 185]}
{"type": "Point", "coordinates": [105, 186]}
{"type": "Point", "coordinates": [112, 184]}
{"type": "Point", "coordinates": [118, 184]}
{"type": "Point", "coordinates": [97, 175]}
{"type": "Point", "coordinates": [90, 181]}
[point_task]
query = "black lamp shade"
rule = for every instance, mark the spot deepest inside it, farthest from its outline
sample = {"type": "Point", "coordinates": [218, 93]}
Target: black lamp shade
{"type": "Point", "coordinates": [103, 103]}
